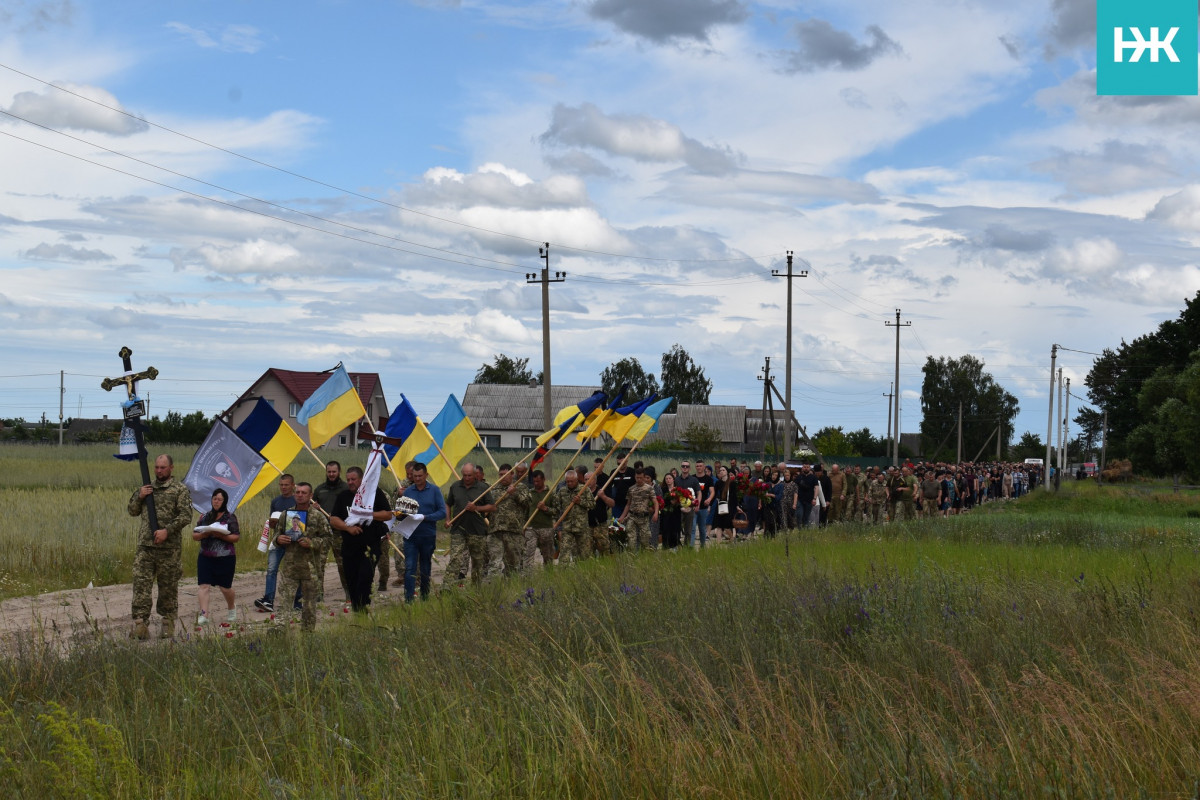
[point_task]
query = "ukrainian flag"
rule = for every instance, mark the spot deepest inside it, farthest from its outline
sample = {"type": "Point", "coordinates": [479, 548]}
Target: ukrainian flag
{"type": "Point", "coordinates": [619, 423]}
{"type": "Point", "coordinates": [266, 432]}
{"type": "Point", "coordinates": [331, 408]}
{"type": "Point", "coordinates": [453, 430]}
{"type": "Point", "coordinates": [595, 422]}
{"type": "Point", "coordinates": [648, 420]}
{"type": "Point", "coordinates": [565, 422]}
{"type": "Point", "coordinates": [405, 425]}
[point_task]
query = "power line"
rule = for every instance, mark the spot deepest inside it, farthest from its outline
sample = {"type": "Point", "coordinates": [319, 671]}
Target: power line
{"type": "Point", "coordinates": [144, 121]}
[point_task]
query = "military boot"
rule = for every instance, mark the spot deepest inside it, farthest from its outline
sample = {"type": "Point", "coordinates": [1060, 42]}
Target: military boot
{"type": "Point", "coordinates": [140, 630]}
{"type": "Point", "coordinates": [168, 628]}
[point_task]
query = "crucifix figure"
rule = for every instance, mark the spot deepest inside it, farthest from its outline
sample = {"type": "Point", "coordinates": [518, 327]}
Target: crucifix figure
{"type": "Point", "coordinates": [133, 409]}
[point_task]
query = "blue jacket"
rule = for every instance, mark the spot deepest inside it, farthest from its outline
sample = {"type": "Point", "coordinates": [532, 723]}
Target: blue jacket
{"type": "Point", "coordinates": [431, 504]}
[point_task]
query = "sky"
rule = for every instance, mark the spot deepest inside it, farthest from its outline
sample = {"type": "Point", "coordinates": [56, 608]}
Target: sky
{"type": "Point", "coordinates": [228, 187]}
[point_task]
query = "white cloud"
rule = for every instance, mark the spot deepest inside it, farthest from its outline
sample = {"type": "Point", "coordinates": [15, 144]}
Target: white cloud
{"type": "Point", "coordinates": [229, 38]}
{"type": "Point", "coordinates": [248, 257]}
{"type": "Point", "coordinates": [93, 110]}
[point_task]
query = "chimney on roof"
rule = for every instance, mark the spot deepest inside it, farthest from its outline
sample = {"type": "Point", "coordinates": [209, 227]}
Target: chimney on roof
{"type": "Point", "coordinates": [533, 383]}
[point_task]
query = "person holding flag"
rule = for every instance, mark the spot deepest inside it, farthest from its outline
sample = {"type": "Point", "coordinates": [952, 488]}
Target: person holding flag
{"type": "Point", "coordinates": [361, 515]}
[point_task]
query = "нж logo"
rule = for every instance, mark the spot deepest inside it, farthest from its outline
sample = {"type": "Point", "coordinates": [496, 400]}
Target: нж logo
{"type": "Point", "coordinates": [1139, 45]}
{"type": "Point", "coordinates": [1127, 31]}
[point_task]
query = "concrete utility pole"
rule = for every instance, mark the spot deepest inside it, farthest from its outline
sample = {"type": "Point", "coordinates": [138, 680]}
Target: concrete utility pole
{"type": "Point", "coordinates": [897, 325]}
{"type": "Point", "coordinates": [768, 409]}
{"type": "Point", "coordinates": [1058, 427]}
{"type": "Point", "coordinates": [1066, 427]}
{"type": "Point", "coordinates": [545, 280]}
{"type": "Point", "coordinates": [888, 395]}
{"type": "Point", "coordinates": [787, 367]}
{"type": "Point", "coordinates": [61, 392]}
{"type": "Point", "coordinates": [1049, 419]}
{"type": "Point", "coordinates": [1103, 445]}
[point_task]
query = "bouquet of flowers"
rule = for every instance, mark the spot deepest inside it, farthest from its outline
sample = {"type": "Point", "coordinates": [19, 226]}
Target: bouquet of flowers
{"type": "Point", "coordinates": [684, 498]}
{"type": "Point", "coordinates": [755, 487]}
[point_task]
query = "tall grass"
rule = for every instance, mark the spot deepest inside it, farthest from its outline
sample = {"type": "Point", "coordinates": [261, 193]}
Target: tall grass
{"type": "Point", "coordinates": [818, 667]}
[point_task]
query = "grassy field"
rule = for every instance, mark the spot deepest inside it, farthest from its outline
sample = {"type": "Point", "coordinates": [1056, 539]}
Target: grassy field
{"type": "Point", "coordinates": [1048, 648]}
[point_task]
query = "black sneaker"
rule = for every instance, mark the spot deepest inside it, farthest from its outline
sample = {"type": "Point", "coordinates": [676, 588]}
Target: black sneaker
{"type": "Point", "coordinates": [297, 607]}
{"type": "Point", "coordinates": [264, 605]}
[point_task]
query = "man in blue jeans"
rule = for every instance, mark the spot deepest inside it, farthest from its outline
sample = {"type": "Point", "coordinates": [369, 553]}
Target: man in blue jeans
{"type": "Point", "coordinates": [418, 548]}
{"type": "Point", "coordinates": [703, 516]}
{"type": "Point", "coordinates": [285, 502]}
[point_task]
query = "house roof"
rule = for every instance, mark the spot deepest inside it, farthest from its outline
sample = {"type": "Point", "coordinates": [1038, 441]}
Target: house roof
{"type": "Point", "coordinates": [728, 421]}
{"type": "Point", "coordinates": [302, 385]}
{"type": "Point", "coordinates": [505, 407]}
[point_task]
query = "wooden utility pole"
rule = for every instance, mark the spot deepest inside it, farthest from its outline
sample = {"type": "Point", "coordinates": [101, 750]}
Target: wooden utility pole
{"type": "Point", "coordinates": [1049, 419]}
{"type": "Point", "coordinates": [898, 325]}
{"type": "Point", "coordinates": [787, 365]}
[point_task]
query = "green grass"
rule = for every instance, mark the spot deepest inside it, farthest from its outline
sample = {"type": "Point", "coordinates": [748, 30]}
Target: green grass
{"type": "Point", "coordinates": [1046, 648]}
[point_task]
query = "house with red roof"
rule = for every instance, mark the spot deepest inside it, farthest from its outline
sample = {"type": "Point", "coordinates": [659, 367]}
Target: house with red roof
{"type": "Point", "coordinates": [286, 390]}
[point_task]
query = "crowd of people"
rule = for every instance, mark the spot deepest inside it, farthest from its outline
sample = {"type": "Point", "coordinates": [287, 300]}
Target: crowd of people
{"type": "Point", "coordinates": [509, 525]}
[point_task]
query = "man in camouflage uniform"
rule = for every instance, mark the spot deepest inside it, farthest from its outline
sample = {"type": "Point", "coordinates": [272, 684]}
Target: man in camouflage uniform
{"type": "Point", "coordinates": [850, 496]}
{"type": "Point", "coordinates": [325, 497]}
{"type": "Point", "coordinates": [576, 536]}
{"type": "Point", "coordinates": [159, 552]}
{"type": "Point", "coordinates": [908, 495]}
{"type": "Point", "coordinates": [930, 490]}
{"type": "Point", "coordinates": [837, 498]}
{"type": "Point", "coordinates": [598, 516]}
{"type": "Point", "coordinates": [641, 506]}
{"type": "Point", "coordinates": [539, 536]}
{"type": "Point", "coordinates": [513, 503]}
{"type": "Point", "coordinates": [301, 559]}
{"type": "Point", "coordinates": [895, 487]}
{"type": "Point", "coordinates": [875, 497]}
{"type": "Point", "coordinates": [470, 500]}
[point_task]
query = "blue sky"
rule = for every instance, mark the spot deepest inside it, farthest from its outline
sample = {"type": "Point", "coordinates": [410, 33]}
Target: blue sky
{"type": "Point", "coordinates": [950, 159]}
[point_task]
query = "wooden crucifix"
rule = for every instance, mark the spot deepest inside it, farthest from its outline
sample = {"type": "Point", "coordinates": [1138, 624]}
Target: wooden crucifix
{"type": "Point", "coordinates": [133, 409]}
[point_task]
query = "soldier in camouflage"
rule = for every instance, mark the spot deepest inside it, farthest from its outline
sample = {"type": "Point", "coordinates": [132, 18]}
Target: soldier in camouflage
{"type": "Point", "coordinates": [876, 496]}
{"type": "Point", "coordinates": [471, 500]}
{"type": "Point", "coordinates": [576, 533]}
{"type": "Point", "coordinates": [160, 552]}
{"type": "Point", "coordinates": [641, 507]}
{"type": "Point", "coordinates": [539, 536]}
{"type": "Point", "coordinates": [513, 503]}
{"type": "Point", "coordinates": [850, 495]}
{"type": "Point", "coordinates": [302, 557]}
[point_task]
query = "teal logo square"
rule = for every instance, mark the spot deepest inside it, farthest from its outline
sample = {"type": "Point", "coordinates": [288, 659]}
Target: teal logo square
{"type": "Point", "coordinates": [1147, 47]}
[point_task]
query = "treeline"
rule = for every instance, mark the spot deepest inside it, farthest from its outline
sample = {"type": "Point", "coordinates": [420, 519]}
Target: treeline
{"type": "Point", "coordinates": [1150, 388]}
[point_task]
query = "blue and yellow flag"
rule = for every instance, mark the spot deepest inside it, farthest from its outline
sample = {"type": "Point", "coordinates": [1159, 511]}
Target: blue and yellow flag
{"type": "Point", "coordinates": [621, 420]}
{"type": "Point", "coordinates": [594, 425]}
{"type": "Point", "coordinates": [565, 422]}
{"type": "Point", "coordinates": [266, 432]}
{"type": "Point", "coordinates": [405, 425]}
{"type": "Point", "coordinates": [648, 420]}
{"type": "Point", "coordinates": [453, 430]}
{"type": "Point", "coordinates": [331, 408]}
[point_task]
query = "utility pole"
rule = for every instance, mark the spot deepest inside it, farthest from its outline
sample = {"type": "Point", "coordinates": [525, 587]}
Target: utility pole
{"type": "Point", "coordinates": [888, 395]}
{"type": "Point", "coordinates": [999, 433]}
{"type": "Point", "coordinates": [1049, 419]}
{"type": "Point", "coordinates": [1103, 445]}
{"type": "Point", "coordinates": [767, 406]}
{"type": "Point", "coordinates": [787, 366]}
{"type": "Point", "coordinates": [545, 280]}
{"type": "Point", "coordinates": [958, 457]}
{"type": "Point", "coordinates": [897, 325]}
{"type": "Point", "coordinates": [1066, 427]}
{"type": "Point", "coordinates": [61, 392]}
{"type": "Point", "coordinates": [1058, 428]}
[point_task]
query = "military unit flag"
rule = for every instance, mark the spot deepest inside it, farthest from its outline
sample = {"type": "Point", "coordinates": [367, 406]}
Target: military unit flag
{"type": "Point", "coordinates": [224, 461]}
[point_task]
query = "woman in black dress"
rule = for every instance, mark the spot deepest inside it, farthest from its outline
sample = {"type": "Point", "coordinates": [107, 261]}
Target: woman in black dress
{"type": "Point", "coordinates": [670, 518]}
{"type": "Point", "coordinates": [725, 498]}
{"type": "Point", "coordinates": [217, 559]}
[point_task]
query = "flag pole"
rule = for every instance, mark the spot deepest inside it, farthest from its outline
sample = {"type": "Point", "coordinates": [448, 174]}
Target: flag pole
{"type": "Point", "coordinates": [488, 453]}
{"type": "Point", "coordinates": [583, 485]}
{"type": "Point", "coordinates": [532, 452]}
{"type": "Point", "coordinates": [550, 489]}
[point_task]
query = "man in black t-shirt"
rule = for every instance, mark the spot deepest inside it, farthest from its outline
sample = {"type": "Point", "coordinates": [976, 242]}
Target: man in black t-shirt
{"type": "Point", "coordinates": [622, 482]}
{"type": "Point", "coordinates": [806, 496]}
{"type": "Point", "coordinates": [361, 542]}
{"type": "Point", "coordinates": [598, 514]}
{"type": "Point", "coordinates": [703, 515]}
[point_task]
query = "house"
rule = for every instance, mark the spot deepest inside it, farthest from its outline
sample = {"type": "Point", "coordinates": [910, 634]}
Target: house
{"type": "Point", "coordinates": [728, 421]}
{"type": "Point", "coordinates": [511, 415]}
{"type": "Point", "coordinates": [286, 390]}
{"type": "Point", "coordinates": [93, 430]}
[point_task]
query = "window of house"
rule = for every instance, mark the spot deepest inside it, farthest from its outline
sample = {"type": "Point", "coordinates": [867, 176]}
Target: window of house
{"type": "Point", "coordinates": [293, 409]}
{"type": "Point", "coordinates": [490, 440]}
{"type": "Point", "coordinates": [343, 440]}
{"type": "Point", "coordinates": [528, 442]}
{"type": "Point", "coordinates": [270, 402]}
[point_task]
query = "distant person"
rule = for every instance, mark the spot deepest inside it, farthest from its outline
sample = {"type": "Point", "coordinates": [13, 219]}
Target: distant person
{"type": "Point", "coordinates": [362, 542]}
{"type": "Point", "coordinates": [418, 548]}
{"type": "Point", "coordinates": [576, 535]}
{"type": "Point", "coordinates": [159, 556]}
{"type": "Point", "coordinates": [539, 536]}
{"type": "Point", "coordinates": [325, 496]}
{"type": "Point", "coordinates": [307, 534]}
{"type": "Point", "coordinates": [641, 507]}
{"type": "Point", "coordinates": [469, 500]}
{"type": "Point", "coordinates": [513, 504]}
{"type": "Point", "coordinates": [285, 501]}
{"type": "Point", "coordinates": [217, 560]}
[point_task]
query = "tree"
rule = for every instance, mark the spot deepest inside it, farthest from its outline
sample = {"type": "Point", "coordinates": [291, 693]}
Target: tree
{"type": "Point", "coordinates": [506, 370]}
{"type": "Point", "coordinates": [1030, 446]}
{"type": "Point", "coordinates": [1091, 429]}
{"type": "Point", "coordinates": [864, 444]}
{"type": "Point", "coordinates": [949, 382]}
{"type": "Point", "coordinates": [831, 441]}
{"type": "Point", "coordinates": [700, 438]}
{"type": "Point", "coordinates": [628, 370]}
{"type": "Point", "coordinates": [1167, 442]}
{"type": "Point", "coordinates": [683, 379]}
{"type": "Point", "coordinates": [178, 429]}
{"type": "Point", "coordinates": [1117, 376]}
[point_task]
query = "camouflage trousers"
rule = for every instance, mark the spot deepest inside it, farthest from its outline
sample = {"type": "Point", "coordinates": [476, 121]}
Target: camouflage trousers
{"type": "Point", "coordinates": [600, 543]}
{"type": "Point", "coordinates": [538, 540]}
{"type": "Point", "coordinates": [495, 560]}
{"type": "Point", "coordinates": [479, 550]}
{"type": "Point", "coordinates": [576, 545]}
{"type": "Point", "coordinates": [298, 570]}
{"type": "Point", "coordinates": [456, 562]}
{"type": "Point", "coordinates": [853, 509]}
{"type": "Point", "coordinates": [929, 507]}
{"type": "Point", "coordinates": [837, 509]}
{"type": "Point", "coordinates": [639, 532]}
{"type": "Point", "coordinates": [876, 511]}
{"type": "Point", "coordinates": [512, 546]}
{"type": "Point", "coordinates": [163, 565]}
